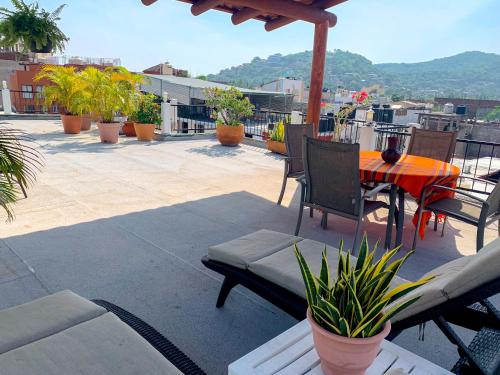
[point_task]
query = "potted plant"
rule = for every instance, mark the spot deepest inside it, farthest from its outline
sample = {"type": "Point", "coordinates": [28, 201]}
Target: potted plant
{"type": "Point", "coordinates": [229, 108]}
{"type": "Point", "coordinates": [67, 89]}
{"type": "Point", "coordinates": [350, 315]}
{"type": "Point", "coordinates": [131, 101]}
{"type": "Point", "coordinates": [107, 96]}
{"type": "Point", "coordinates": [146, 117]}
{"type": "Point", "coordinates": [360, 98]}
{"type": "Point", "coordinates": [276, 140]}
{"type": "Point", "coordinates": [35, 28]}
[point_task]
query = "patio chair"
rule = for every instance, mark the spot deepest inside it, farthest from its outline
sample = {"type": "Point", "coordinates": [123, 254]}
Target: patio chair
{"type": "Point", "coordinates": [465, 207]}
{"type": "Point", "coordinates": [331, 183]}
{"type": "Point", "coordinates": [264, 262]}
{"type": "Point", "coordinates": [434, 144]}
{"type": "Point", "coordinates": [294, 167]}
{"type": "Point", "coordinates": [65, 334]}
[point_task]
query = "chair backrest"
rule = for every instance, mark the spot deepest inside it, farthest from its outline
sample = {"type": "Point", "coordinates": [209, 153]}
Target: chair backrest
{"type": "Point", "coordinates": [433, 144]}
{"type": "Point", "coordinates": [294, 135]}
{"type": "Point", "coordinates": [494, 200]}
{"type": "Point", "coordinates": [332, 173]}
{"type": "Point", "coordinates": [465, 276]}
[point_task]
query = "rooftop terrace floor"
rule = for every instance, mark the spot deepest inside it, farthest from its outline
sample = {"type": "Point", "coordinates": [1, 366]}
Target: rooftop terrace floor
{"type": "Point", "coordinates": [130, 222]}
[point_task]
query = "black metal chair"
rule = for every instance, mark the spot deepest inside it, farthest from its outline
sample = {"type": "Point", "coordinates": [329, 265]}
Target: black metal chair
{"type": "Point", "coordinates": [465, 207]}
{"type": "Point", "coordinates": [294, 166]}
{"type": "Point", "coordinates": [331, 183]}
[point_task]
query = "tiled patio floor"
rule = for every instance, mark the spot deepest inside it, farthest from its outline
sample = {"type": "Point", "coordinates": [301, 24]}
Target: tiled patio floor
{"type": "Point", "coordinates": [130, 222]}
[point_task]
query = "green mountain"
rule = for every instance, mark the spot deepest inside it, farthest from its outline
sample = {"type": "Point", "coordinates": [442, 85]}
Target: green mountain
{"type": "Point", "coordinates": [469, 74]}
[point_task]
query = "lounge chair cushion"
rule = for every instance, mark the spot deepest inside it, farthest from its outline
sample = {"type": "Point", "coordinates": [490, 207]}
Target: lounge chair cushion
{"type": "Point", "coordinates": [250, 248]}
{"type": "Point", "coordinates": [104, 345]}
{"type": "Point", "coordinates": [23, 324]}
{"type": "Point", "coordinates": [281, 268]}
{"type": "Point", "coordinates": [455, 278]}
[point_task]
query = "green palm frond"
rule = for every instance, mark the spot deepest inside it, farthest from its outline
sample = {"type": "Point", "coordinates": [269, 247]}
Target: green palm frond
{"type": "Point", "coordinates": [20, 161]}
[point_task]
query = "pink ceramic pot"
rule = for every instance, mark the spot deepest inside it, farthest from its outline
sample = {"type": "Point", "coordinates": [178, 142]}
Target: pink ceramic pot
{"type": "Point", "coordinates": [343, 355]}
{"type": "Point", "coordinates": [109, 131]}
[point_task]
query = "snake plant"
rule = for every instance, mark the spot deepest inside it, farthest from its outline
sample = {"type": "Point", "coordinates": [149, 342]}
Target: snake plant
{"type": "Point", "coordinates": [359, 301]}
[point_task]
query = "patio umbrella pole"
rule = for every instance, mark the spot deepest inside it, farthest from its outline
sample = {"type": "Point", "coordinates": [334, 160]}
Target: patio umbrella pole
{"type": "Point", "coordinates": [317, 74]}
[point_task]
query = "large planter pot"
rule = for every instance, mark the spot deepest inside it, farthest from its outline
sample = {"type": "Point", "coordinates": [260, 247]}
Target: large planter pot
{"type": "Point", "coordinates": [109, 131]}
{"type": "Point", "coordinates": [86, 123]}
{"type": "Point", "coordinates": [343, 355]}
{"type": "Point", "coordinates": [71, 124]}
{"type": "Point", "coordinates": [129, 129]}
{"type": "Point", "coordinates": [145, 132]}
{"type": "Point", "coordinates": [275, 146]}
{"type": "Point", "coordinates": [230, 135]}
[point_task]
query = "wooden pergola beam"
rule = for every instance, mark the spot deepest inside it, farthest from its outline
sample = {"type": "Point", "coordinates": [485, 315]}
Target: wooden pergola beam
{"type": "Point", "coordinates": [201, 6]}
{"type": "Point", "coordinates": [317, 74]}
{"type": "Point", "coordinates": [283, 21]}
{"type": "Point", "coordinates": [243, 15]}
{"type": "Point", "coordinates": [287, 8]}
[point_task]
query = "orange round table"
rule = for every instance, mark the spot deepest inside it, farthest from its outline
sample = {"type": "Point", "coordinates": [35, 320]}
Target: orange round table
{"type": "Point", "coordinates": [411, 174]}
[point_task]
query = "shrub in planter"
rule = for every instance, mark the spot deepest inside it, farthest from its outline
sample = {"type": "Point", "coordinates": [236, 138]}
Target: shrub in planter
{"type": "Point", "coordinates": [35, 28]}
{"type": "Point", "coordinates": [109, 92]}
{"type": "Point", "coordinates": [350, 315]}
{"type": "Point", "coordinates": [276, 141]}
{"type": "Point", "coordinates": [146, 116]}
{"type": "Point", "coordinates": [67, 88]}
{"type": "Point", "coordinates": [229, 108]}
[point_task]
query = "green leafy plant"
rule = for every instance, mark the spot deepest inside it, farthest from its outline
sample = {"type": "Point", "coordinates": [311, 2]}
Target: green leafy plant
{"type": "Point", "coordinates": [229, 106]}
{"type": "Point", "coordinates": [147, 111]}
{"type": "Point", "coordinates": [32, 26]}
{"type": "Point", "coordinates": [110, 91]}
{"type": "Point", "coordinates": [67, 88]}
{"type": "Point", "coordinates": [19, 163]}
{"type": "Point", "coordinates": [358, 302]}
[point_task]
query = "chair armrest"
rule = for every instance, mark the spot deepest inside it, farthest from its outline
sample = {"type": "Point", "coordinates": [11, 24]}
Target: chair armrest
{"type": "Point", "coordinates": [376, 190]}
{"type": "Point", "coordinates": [477, 179]}
{"type": "Point", "coordinates": [456, 191]}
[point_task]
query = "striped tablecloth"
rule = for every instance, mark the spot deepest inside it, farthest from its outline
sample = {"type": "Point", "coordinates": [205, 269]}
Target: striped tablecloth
{"type": "Point", "coordinates": [412, 174]}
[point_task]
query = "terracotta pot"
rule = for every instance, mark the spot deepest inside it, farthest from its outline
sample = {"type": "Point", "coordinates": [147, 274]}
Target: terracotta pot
{"type": "Point", "coordinates": [277, 147]}
{"type": "Point", "coordinates": [128, 128]}
{"type": "Point", "coordinates": [391, 155]}
{"type": "Point", "coordinates": [344, 355]}
{"type": "Point", "coordinates": [109, 131]}
{"type": "Point", "coordinates": [71, 124]}
{"type": "Point", "coordinates": [86, 122]}
{"type": "Point", "coordinates": [230, 135]}
{"type": "Point", "coordinates": [145, 132]}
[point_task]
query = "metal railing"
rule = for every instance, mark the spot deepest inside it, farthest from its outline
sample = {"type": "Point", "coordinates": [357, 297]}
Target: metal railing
{"type": "Point", "coordinates": [192, 119]}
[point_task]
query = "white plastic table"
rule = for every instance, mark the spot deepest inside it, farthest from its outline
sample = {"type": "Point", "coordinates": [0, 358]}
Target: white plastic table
{"type": "Point", "coordinates": [293, 353]}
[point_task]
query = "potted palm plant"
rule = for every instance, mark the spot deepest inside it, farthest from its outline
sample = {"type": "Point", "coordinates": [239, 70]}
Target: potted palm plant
{"type": "Point", "coordinates": [276, 140]}
{"type": "Point", "coordinates": [131, 83]}
{"type": "Point", "coordinates": [35, 28]}
{"type": "Point", "coordinates": [350, 315]}
{"type": "Point", "coordinates": [229, 108]}
{"type": "Point", "coordinates": [146, 117]}
{"type": "Point", "coordinates": [67, 89]}
{"type": "Point", "coordinates": [107, 96]}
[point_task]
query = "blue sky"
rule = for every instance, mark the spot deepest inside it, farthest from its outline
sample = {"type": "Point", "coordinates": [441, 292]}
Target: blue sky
{"type": "Point", "coordinates": [381, 30]}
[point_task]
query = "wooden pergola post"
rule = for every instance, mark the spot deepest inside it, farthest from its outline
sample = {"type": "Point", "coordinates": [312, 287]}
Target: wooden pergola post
{"type": "Point", "coordinates": [317, 74]}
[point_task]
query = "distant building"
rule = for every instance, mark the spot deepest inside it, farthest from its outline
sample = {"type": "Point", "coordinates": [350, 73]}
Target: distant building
{"type": "Point", "coordinates": [190, 91]}
{"type": "Point", "coordinates": [287, 85]}
{"type": "Point", "coordinates": [23, 87]}
{"type": "Point", "coordinates": [476, 108]}
{"type": "Point", "coordinates": [166, 69]}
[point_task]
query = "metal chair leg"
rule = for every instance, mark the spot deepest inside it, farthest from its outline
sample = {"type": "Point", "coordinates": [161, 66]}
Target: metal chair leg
{"type": "Point", "coordinates": [419, 221]}
{"type": "Point", "coordinates": [480, 238]}
{"type": "Point", "coordinates": [299, 219]}
{"type": "Point", "coordinates": [311, 212]}
{"type": "Point", "coordinates": [283, 187]}
{"type": "Point", "coordinates": [436, 220]}
{"type": "Point", "coordinates": [356, 236]}
{"type": "Point", "coordinates": [324, 220]}
{"type": "Point", "coordinates": [444, 224]}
